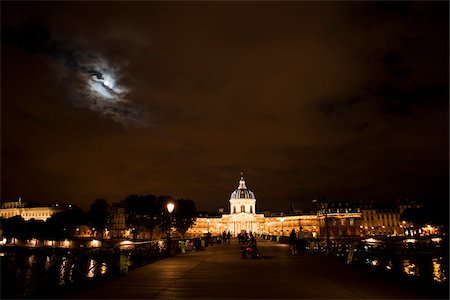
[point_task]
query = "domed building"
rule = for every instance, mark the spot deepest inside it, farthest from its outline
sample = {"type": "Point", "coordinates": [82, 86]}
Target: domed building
{"type": "Point", "coordinates": [242, 199]}
{"type": "Point", "coordinates": [243, 217]}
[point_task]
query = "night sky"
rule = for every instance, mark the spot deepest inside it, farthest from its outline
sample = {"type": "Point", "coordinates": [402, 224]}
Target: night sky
{"type": "Point", "coordinates": [347, 100]}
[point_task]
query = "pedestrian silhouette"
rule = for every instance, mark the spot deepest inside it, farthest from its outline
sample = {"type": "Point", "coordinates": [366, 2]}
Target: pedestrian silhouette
{"type": "Point", "coordinates": [293, 242]}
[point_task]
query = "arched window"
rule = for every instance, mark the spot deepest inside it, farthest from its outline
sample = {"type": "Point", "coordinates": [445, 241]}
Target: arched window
{"type": "Point", "coordinates": [234, 209]}
{"type": "Point", "coordinates": [242, 208]}
{"type": "Point", "coordinates": [251, 209]}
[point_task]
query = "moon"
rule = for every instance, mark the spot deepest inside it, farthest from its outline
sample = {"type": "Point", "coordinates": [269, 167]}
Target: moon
{"type": "Point", "coordinates": [104, 85]}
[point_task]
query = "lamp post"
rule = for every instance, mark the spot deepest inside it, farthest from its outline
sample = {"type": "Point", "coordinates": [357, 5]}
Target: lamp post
{"type": "Point", "coordinates": [326, 231]}
{"type": "Point", "coordinates": [170, 208]}
{"type": "Point", "coordinates": [282, 221]}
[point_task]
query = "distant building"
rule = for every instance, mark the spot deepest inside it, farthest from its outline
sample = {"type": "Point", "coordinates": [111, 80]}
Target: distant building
{"type": "Point", "coordinates": [326, 218]}
{"type": "Point", "coordinates": [339, 218]}
{"type": "Point", "coordinates": [119, 228]}
{"type": "Point", "coordinates": [243, 217]}
{"type": "Point", "coordinates": [381, 220]}
{"type": "Point", "coordinates": [29, 211]}
{"type": "Point", "coordinates": [406, 203]}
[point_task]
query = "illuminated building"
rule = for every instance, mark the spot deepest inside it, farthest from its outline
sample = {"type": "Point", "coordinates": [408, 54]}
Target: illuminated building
{"type": "Point", "coordinates": [243, 217]}
{"type": "Point", "coordinates": [381, 220]}
{"type": "Point", "coordinates": [339, 218]}
{"type": "Point", "coordinates": [28, 211]}
{"type": "Point", "coordinates": [386, 220]}
{"type": "Point", "coordinates": [118, 225]}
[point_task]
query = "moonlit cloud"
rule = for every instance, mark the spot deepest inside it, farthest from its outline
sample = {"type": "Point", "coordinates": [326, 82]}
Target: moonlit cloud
{"type": "Point", "coordinates": [101, 91]}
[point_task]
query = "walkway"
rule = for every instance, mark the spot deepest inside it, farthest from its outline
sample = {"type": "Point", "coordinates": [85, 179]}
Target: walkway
{"type": "Point", "coordinates": [220, 272]}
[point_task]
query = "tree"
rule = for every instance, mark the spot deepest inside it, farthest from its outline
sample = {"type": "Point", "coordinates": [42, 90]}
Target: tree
{"type": "Point", "coordinates": [142, 213]}
{"type": "Point", "coordinates": [185, 213]}
{"type": "Point", "coordinates": [62, 224]}
{"type": "Point", "coordinates": [145, 213]}
{"type": "Point", "coordinates": [36, 229]}
{"type": "Point", "coordinates": [427, 214]}
{"type": "Point", "coordinates": [98, 215]}
{"type": "Point", "coordinates": [14, 227]}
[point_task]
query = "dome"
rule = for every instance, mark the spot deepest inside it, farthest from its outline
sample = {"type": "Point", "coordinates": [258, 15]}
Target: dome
{"type": "Point", "coordinates": [242, 192]}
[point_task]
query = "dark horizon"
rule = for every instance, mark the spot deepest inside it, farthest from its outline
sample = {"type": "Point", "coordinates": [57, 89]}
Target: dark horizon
{"type": "Point", "coordinates": [309, 100]}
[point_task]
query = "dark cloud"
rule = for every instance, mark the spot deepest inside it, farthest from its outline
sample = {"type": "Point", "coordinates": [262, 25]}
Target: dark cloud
{"type": "Point", "coordinates": [397, 100]}
{"type": "Point", "coordinates": [307, 99]}
{"type": "Point", "coordinates": [91, 81]}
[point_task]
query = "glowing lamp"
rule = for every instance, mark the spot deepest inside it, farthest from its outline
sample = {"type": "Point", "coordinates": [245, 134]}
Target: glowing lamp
{"type": "Point", "coordinates": [170, 207]}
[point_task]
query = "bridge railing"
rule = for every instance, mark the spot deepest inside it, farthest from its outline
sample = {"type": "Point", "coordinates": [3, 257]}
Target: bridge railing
{"type": "Point", "coordinates": [420, 259]}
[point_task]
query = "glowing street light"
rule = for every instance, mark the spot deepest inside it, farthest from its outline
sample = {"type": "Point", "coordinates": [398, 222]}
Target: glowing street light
{"type": "Point", "coordinates": [170, 208]}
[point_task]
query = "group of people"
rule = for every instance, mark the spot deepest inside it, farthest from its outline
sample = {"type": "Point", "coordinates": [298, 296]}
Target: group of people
{"type": "Point", "coordinates": [250, 249]}
{"type": "Point", "coordinates": [297, 242]}
{"type": "Point", "coordinates": [243, 237]}
{"type": "Point", "coordinates": [226, 237]}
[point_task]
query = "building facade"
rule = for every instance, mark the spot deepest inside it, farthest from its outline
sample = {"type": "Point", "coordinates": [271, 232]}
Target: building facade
{"type": "Point", "coordinates": [19, 208]}
{"type": "Point", "coordinates": [381, 220]}
{"type": "Point", "coordinates": [339, 218]}
{"type": "Point", "coordinates": [118, 226]}
{"type": "Point", "coordinates": [341, 221]}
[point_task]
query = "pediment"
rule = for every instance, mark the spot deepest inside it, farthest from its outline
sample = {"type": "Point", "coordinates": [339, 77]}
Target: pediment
{"type": "Point", "coordinates": [243, 217]}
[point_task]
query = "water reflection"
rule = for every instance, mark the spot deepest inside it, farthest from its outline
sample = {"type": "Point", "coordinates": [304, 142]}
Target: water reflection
{"type": "Point", "coordinates": [27, 274]}
{"type": "Point", "coordinates": [91, 269]}
{"type": "Point", "coordinates": [72, 267]}
{"type": "Point", "coordinates": [410, 268]}
{"type": "Point", "coordinates": [438, 271]}
{"type": "Point", "coordinates": [103, 269]}
{"type": "Point", "coordinates": [62, 270]}
{"type": "Point", "coordinates": [47, 263]}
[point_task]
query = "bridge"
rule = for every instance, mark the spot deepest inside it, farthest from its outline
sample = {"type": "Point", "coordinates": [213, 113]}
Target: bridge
{"type": "Point", "coordinates": [220, 272]}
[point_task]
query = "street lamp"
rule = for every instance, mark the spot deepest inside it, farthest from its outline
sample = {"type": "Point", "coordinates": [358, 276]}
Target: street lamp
{"type": "Point", "coordinates": [282, 220]}
{"type": "Point", "coordinates": [170, 208]}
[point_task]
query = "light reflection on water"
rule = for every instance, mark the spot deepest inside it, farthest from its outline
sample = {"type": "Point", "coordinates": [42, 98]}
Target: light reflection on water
{"type": "Point", "coordinates": [31, 273]}
{"type": "Point", "coordinates": [72, 267]}
{"type": "Point", "coordinates": [31, 260]}
{"type": "Point", "coordinates": [410, 268]}
{"type": "Point", "coordinates": [103, 269]}
{"type": "Point", "coordinates": [438, 272]}
{"type": "Point", "coordinates": [62, 270]}
{"type": "Point", "coordinates": [47, 263]}
{"type": "Point", "coordinates": [91, 268]}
